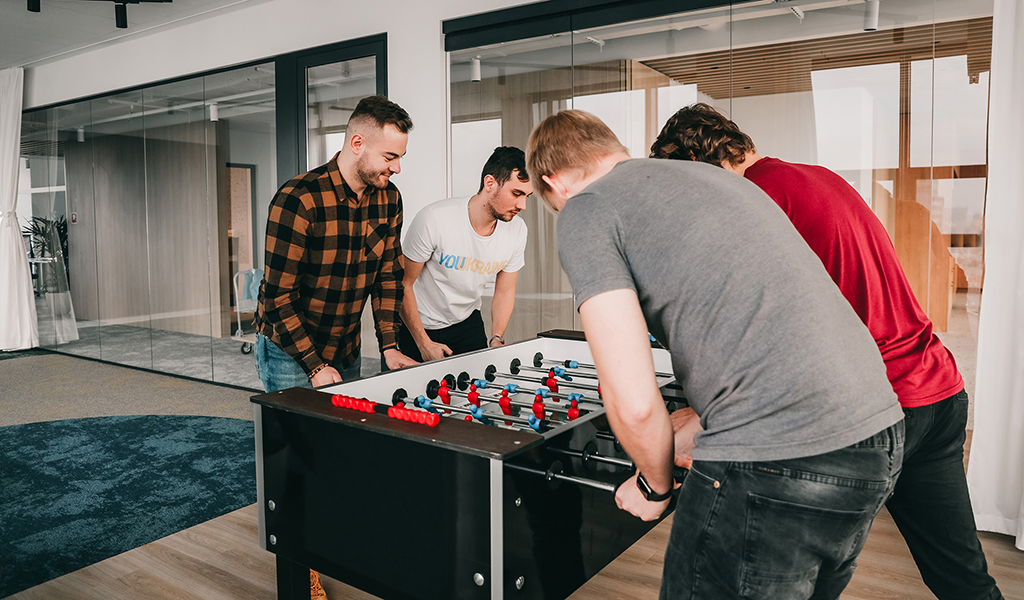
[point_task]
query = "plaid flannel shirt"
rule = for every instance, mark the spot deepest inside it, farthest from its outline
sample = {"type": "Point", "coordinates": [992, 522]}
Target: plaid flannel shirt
{"type": "Point", "coordinates": [326, 252]}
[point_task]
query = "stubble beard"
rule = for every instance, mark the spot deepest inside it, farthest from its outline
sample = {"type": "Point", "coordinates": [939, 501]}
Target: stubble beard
{"type": "Point", "coordinates": [505, 217]}
{"type": "Point", "coordinates": [372, 179]}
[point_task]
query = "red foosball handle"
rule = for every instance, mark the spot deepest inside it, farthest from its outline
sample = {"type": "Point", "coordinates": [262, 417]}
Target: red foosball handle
{"type": "Point", "coordinates": [395, 412]}
{"type": "Point", "coordinates": [414, 416]}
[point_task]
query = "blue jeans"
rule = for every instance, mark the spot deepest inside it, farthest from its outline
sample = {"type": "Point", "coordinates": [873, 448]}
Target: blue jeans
{"type": "Point", "coordinates": [779, 530]}
{"type": "Point", "coordinates": [278, 371]}
{"type": "Point", "coordinates": [931, 505]}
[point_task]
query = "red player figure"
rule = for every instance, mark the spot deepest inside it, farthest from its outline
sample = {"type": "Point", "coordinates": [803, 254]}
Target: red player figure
{"type": "Point", "coordinates": [506, 405]}
{"type": "Point", "coordinates": [538, 409]}
{"type": "Point", "coordinates": [473, 395]}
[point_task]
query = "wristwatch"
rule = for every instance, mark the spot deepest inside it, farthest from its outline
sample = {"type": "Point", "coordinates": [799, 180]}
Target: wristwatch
{"type": "Point", "coordinates": [496, 337]}
{"type": "Point", "coordinates": [649, 493]}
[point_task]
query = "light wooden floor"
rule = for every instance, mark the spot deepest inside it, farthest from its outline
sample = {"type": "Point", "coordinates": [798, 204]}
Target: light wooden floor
{"type": "Point", "coordinates": [221, 560]}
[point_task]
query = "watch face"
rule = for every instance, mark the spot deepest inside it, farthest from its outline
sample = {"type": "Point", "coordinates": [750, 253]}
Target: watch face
{"type": "Point", "coordinates": [648, 491]}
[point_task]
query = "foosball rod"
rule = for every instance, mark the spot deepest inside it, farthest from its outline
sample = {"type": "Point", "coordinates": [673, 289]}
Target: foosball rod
{"type": "Point", "coordinates": [539, 360]}
{"type": "Point", "coordinates": [542, 391]}
{"type": "Point", "coordinates": [572, 413]}
{"type": "Point", "coordinates": [585, 456]}
{"type": "Point", "coordinates": [555, 474]}
{"type": "Point", "coordinates": [434, 388]}
{"type": "Point", "coordinates": [496, 399]}
{"type": "Point", "coordinates": [492, 371]}
{"type": "Point", "coordinates": [517, 365]}
{"type": "Point", "coordinates": [439, 406]}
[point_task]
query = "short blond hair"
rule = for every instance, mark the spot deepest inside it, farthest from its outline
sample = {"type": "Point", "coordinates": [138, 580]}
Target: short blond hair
{"type": "Point", "coordinates": [570, 141]}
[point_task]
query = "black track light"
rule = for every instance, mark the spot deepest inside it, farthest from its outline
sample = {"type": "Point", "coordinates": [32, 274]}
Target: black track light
{"type": "Point", "coordinates": [33, 5]}
{"type": "Point", "coordinates": [121, 16]}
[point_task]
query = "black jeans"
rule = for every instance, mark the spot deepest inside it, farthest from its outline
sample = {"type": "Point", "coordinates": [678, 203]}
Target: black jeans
{"type": "Point", "coordinates": [931, 505]}
{"type": "Point", "coordinates": [465, 336]}
{"type": "Point", "coordinates": [778, 530]}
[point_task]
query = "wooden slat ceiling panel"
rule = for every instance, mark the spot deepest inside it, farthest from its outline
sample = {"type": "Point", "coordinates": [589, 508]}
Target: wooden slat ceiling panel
{"type": "Point", "coordinates": [784, 68]}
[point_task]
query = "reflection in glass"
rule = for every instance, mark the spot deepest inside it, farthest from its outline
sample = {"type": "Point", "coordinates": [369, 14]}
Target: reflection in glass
{"type": "Point", "coordinates": [75, 122]}
{"type": "Point", "coordinates": [332, 92]}
{"type": "Point", "coordinates": [184, 259]}
{"type": "Point", "coordinates": [116, 153]}
{"type": "Point", "coordinates": [42, 215]}
{"type": "Point", "coordinates": [159, 196]}
{"type": "Point", "coordinates": [516, 86]}
{"type": "Point", "coordinates": [900, 112]}
{"type": "Point", "coordinates": [240, 193]}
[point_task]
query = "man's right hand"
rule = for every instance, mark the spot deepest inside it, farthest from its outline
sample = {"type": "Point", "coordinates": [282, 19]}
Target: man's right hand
{"type": "Point", "coordinates": [434, 351]}
{"type": "Point", "coordinates": [326, 376]}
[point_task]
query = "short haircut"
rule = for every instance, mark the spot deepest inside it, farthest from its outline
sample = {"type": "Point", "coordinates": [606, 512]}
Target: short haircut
{"type": "Point", "coordinates": [699, 132]}
{"type": "Point", "coordinates": [503, 161]}
{"type": "Point", "coordinates": [568, 141]}
{"type": "Point", "coordinates": [380, 111]}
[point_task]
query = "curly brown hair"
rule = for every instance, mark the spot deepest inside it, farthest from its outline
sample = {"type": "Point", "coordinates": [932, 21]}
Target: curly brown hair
{"type": "Point", "coordinates": [699, 132]}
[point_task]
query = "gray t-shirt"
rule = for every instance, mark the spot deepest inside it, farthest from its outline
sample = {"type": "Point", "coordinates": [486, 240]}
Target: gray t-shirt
{"type": "Point", "coordinates": [769, 353]}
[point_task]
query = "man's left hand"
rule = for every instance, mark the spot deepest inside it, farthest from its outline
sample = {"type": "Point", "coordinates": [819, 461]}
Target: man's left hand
{"type": "Point", "coordinates": [629, 499]}
{"type": "Point", "coordinates": [396, 360]}
{"type": "Point", "coordinates": [495, 343]}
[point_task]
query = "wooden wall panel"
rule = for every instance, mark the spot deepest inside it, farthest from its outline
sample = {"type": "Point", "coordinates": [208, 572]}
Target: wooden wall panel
{"type": "Point", "coordinates": [179, 232]}
{"type": "Point", "coordinates": [147, 246]}
{"type": "Point", "coordinates": [81, 235]}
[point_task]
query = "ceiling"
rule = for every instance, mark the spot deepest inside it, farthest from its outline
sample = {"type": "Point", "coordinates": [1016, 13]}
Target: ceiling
{"type": "Point", "coordinates": [64, 27]}
{"type": "Point", "coordinates": [787, 67]}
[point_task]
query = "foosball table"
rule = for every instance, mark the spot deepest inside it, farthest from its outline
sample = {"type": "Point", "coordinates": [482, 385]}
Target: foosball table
{"type": "Point", "coordinates": [484, 475]}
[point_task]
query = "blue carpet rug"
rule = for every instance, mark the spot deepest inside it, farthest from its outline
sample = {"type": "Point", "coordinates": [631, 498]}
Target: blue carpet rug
{"type": "Point", "coordinates": [75, 492]}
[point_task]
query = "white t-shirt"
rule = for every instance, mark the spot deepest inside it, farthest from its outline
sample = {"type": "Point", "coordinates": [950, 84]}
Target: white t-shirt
{"type": "Point", "coordinates": [458, 262]}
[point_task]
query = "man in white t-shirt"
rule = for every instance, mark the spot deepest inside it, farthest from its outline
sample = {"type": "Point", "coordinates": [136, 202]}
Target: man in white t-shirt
{"type": "Point", "coordinates": [453, 249]}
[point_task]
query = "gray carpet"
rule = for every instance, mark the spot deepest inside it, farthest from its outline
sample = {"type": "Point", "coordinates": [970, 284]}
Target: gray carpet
{"type": "Point", "coordinates": [53, 387]}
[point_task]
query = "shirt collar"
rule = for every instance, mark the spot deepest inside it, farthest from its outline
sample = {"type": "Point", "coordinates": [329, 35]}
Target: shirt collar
{"type": "Point", "coordinates": [334, 171]}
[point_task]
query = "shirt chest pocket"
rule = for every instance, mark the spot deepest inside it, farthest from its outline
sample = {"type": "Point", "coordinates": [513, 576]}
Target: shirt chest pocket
{"type": "Point", "coordinates": [375, 240]}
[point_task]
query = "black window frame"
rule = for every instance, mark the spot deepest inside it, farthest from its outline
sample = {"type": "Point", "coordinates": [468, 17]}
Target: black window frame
{"type": "Point", "coordinates": [558, 16]}
{"type": "Point", "coordinates": [290, 91]}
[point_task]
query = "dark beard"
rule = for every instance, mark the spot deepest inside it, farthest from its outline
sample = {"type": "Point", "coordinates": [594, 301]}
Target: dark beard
{"type": "Point", "coordinates": [499, 216]}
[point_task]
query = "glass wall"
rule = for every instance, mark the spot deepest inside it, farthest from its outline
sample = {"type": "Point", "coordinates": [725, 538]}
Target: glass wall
{"type": "Point", "coordinates": [900, 112]}
{"type": "Point", "coordinates": [140, 209]}
{"type": "Point", "coordinates": [497, 96]}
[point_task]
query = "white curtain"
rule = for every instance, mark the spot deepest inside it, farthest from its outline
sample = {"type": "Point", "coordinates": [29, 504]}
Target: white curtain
{"type": "Point", "coordinates": [18, 328]}
{"type": "Point", "coordinates": [996, 468]}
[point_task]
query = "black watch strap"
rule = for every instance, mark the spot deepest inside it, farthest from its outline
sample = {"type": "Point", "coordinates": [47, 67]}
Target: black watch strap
{"type": "Point", "coordinates": [648, 492]}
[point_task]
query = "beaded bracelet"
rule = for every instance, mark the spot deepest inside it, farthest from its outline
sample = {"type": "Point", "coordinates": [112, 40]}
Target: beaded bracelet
{"type": "Point", "coordinates": [317, 370]}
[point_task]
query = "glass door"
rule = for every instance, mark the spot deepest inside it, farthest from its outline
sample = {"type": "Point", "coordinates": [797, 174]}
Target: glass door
{"type": "Point", "coordinates": [327, 84]}
{"type": "Point", "coordinates": [332, 92]}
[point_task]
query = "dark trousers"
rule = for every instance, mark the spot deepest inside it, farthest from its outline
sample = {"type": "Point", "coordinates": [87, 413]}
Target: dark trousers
{"type": "Point", "coordinates": [931, 505]}
{"type": "Point", "coordinates": [461, 337]}
{"type": "Point", "coordinates": [778, 530]}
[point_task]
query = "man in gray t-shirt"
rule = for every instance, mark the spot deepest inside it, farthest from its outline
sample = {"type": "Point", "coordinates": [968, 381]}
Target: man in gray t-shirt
{"type": "Point", "coordinates": [802, 434]}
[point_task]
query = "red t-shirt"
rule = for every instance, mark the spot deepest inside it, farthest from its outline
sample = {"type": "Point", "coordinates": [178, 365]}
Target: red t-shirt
{"type": "Point", "coordinates": [857, 252]}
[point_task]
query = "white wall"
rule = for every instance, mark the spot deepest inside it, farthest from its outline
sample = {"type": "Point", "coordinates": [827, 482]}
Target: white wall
{"type": "Point", "coordinates": [416, 63]}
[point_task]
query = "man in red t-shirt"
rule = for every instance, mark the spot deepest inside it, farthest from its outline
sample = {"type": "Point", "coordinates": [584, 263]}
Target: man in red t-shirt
{"type": "Point", "coordinates": [930, 505]}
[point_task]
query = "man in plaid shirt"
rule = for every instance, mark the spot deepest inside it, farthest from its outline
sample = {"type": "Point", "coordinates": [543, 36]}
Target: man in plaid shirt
{"type": "Point", "coordinates": [333, 239]}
